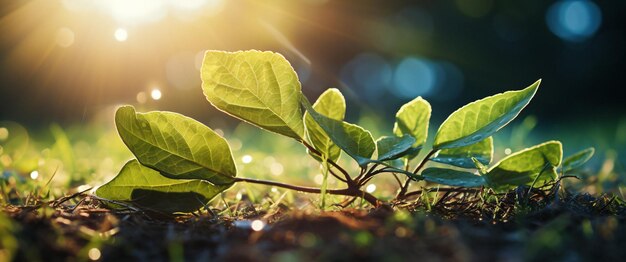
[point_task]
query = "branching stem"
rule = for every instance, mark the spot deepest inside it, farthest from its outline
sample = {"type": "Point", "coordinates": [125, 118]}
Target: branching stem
{"type": "Point", "coordinates": [347, 179]}
{"type": "Point", "coordinates": [350, 191]}
{"type": "Point", "coordinates": [419, 167]}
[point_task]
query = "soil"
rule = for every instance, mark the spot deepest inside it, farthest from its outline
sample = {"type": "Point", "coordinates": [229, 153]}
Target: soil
{"type": "Point", "coordinates": [458, 227]}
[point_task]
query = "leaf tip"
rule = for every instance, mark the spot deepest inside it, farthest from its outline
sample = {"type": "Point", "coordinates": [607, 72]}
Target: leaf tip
{"type": "Point", "coordinates": [122, 111]}
{"type": "Point", "coordinates": [535, 85]}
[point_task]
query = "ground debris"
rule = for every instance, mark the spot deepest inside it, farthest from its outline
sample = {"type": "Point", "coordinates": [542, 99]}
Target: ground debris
{"type": "Point", "coordinates": [457, 226]}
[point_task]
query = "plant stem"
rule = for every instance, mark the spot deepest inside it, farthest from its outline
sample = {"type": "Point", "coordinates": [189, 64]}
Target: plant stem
{"type": "Point", "coordinates": [363, 174]}
{"type": "Point", "coordinates": [337, 176]}
{"type": "Point", "coordinates": [350, 191]}
{"type": "Point", "coordinates": [348, 179]}
{"type": "Point", "coordinates": [405, 187]}
{"type": "Point", "coordinates": [426, 158]}
{"type": "Point", "coordinates": [367, 176]}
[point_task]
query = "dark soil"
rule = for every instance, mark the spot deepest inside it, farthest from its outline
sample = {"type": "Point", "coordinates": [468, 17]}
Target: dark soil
{"type": "Point", "coordinates": [457, 228]}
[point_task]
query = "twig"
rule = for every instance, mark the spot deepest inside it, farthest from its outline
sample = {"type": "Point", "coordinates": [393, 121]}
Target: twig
{"type": "Point", "coordinates": [58, 202]}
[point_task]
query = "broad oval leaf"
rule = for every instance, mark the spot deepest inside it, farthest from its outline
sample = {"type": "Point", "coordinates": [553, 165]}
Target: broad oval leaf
{"type": "Point", "coordinates": [452, 177]}
{"type": "Point", "coordinates": [332, 105]}
{"type": "Point", "coordinates": [393, 147]}
{"type": "Point", "coordinates": [577, 160]}
{"type": "Point", "coordinates": [531, 166]}
{"type": "Point", "coordinates": [482, 118]}
{"type": "Point", "coordinates": [176, 145]}
{"type": "Point", "coordinates": [462, 156]}
{"type": "Point", "coordinates": [357, 142]}
{"type": "Point", "coordinates": [258, 87]}
{"type": "Point", "coordinates": [413, 119]}
{"type": "Point", "coordinates": [144, 187]}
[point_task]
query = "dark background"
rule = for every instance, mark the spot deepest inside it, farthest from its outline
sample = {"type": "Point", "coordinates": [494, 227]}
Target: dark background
{"type": "Point", "coordinates": [486, 47]}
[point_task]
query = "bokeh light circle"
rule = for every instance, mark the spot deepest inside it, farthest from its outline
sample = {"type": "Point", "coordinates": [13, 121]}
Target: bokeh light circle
{"type": "Point", "coordinates": [414, 77]}
{"type": "Point", "coordinates": [574, 20]}
{"type": "Point", "coordinates": [369, 73]}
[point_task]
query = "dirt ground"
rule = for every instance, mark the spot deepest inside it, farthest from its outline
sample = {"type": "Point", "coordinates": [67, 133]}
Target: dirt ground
{"type": "Point", "coordinates": [456, 228]}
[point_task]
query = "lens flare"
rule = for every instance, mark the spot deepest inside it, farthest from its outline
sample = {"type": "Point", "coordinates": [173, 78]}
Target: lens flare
{"type": "Point", "coordinates": [156, 94]}
{"type": "Point", "coordinates": [121, 34]}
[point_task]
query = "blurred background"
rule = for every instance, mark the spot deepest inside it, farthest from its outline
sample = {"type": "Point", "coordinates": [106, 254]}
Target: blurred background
{"type": "Point", "coordinates": [72, 61]}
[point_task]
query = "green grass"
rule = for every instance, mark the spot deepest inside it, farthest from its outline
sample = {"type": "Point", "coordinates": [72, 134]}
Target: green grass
{"type": "Point", "coordinates": [38, 222]}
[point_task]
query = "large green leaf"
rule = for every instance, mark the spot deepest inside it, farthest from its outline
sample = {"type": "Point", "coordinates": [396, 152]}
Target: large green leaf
{"type": "Point", "coordinates": [393, 147]}
{"type": "Point", "coordinates": [412, 119]}
{"type": "Point", "coordinates": [531, 166]}
{"type": "Point", "coordinates": [332, 105]}
{"type": "Point", "coordinates": [357, 142]}
{"type": "Point", "coordinates": [258, 87]}
{"type": "Point", "coordinates": [147, 188]}
{"type": "Point", "coordinates": [481, 119]}
{"type": "Point", "coordinates": [577, 160]}
{"type": "Point", "coordinates": [176, 145]}
{"type": "Point", "coordinates": [452, 177]}
{"type": "Point", "coordinates": [462, 156]}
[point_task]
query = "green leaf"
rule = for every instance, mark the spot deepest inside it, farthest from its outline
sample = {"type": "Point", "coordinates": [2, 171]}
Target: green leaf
{"type": "Point", "coordinates": [258, 87]}
{"type": "Point", "coordinates": [352, 139]}
{"type": "Point", "coordinates": [531, 166]}
{"type": "Point", "coordinates": [481, 119]}
{"type": "Point", "coordinates": [412, 119]}
{"type": "Point", "coordinates": [452, 177]}
{"type": "Point", "coordinates": [147, 188]}
{"type": "Point", "coordinates": [332, 105]}
{"type": "Point", "coordinates": [577, 160]}
{"type": "Point", "coordinates": [177, 146]}
{"type": "Point", "coordinates": [393, 147]}
{"type": "Point", "coordinates": [462, 156]}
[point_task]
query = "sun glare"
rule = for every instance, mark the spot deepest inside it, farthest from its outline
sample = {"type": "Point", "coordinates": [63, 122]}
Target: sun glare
{"type": "Point", "coordinates": [146, 11]}
{"type": "Point", "coordinates": [156, 94]}
{"type": "Point", "coordinates": [121, 34]}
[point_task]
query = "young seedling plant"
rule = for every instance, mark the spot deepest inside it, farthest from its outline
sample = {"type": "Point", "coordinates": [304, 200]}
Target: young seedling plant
{"type": "Point", "coordinates": [182, 164]}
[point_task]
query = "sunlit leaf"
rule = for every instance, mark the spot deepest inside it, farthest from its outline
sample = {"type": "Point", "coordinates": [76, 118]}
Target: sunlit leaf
{"type": "Point", "coordinates": [393, 147]}
{"type": "Point", "coordinates": [482, 118]}
{"type": "Point", "coordinates": [352, 139]}
{"type": "Point", "coordinates": [144, 187]}
{"type": "Point", "coordinates": [577, 160]}
{"type": "Point", "coordinates": [412, 119]}
{"type": "Point", "coordinates": [176, 145]}
{"type": "Point", "coordinates": [258, 87]}
{"type": "Point", "coordinates": [452, 177]}
{"type": "Point", "coordinates": [534, 165]}
{"type": "Point", "coordinates": [332, 105]}
{"type": "Point", "coordinates": [462, 156]}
